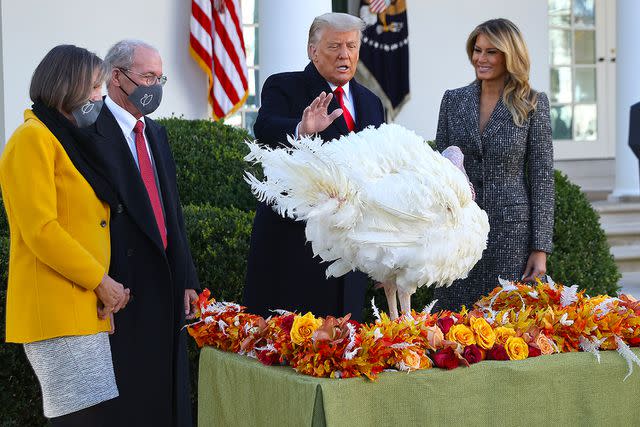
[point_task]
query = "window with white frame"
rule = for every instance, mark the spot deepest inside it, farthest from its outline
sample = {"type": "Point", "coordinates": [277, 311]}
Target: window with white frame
{"type": "Point", "coordinates": [572, 49]}
{"type": "Point", "coordinates": [246, 115]}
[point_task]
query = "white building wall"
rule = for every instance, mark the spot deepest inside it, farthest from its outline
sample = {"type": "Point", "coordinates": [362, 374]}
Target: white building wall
{"type": "Point", "coordinates": [438, 31]}
{"type": "Point", "coordinates": [31, 27]}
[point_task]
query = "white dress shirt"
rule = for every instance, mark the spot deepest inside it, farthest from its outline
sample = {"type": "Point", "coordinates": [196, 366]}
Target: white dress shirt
{"type": "Point", "coordinates": [346, 98]}
{"type": "Point", "coordinates": [127, 122]}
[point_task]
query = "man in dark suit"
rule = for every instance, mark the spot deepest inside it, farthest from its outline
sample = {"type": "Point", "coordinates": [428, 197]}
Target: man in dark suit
{"type": "Point", "coordinates": [323, 99]}
{"type": "Point", "coordinates": [149, 249]}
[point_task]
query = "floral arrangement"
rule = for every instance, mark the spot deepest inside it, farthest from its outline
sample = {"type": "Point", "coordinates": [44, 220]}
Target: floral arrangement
{"type": "Point", "coordinates": [514, 322]}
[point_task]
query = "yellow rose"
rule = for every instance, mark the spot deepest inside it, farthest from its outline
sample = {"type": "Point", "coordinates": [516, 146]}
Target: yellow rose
{"type": "Point", "coordinates": [544, 344]}
{"type": "Point", "coordinates": [303, 327]}
{"type": "Point", "coordinates": [503, 334]}
{"type": "Point", "coordinates": [485, 336]}
{"type": "Point", "coordinates": [461, 334]}
{"type": "Point", "coordinates": [516, 348]}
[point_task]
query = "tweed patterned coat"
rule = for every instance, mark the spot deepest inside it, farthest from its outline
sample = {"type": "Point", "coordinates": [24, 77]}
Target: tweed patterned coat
{"type": "Point", "coordinates": [511, 169]}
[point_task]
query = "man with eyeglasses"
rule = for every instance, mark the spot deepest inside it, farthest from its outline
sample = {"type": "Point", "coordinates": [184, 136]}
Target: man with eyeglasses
{"type": "Point", "coordinates": [149, 249]}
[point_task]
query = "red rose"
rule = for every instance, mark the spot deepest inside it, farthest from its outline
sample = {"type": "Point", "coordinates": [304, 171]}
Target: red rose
{"type": "Point", "coordinates": [497, 353]}
{"type": "Point", "coordinates": [287, 322]}
{"type": "Point", "coordinates": [445, 323]}
{"type": "Point", "coordinates": [446, 358]}
{"type": "Point", "coordinates": [268, 357]}
{"type": "Point", "coordinates": [472, 354]}
{"type": "Point", "coordinates": [354, 323]}
{"type": "Point", "coordinates": [534, 351]}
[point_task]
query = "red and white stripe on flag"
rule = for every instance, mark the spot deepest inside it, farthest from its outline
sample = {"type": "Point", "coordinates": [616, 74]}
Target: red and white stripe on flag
{"type": "Point", "coordinates": [378, 6]}
{"type": "Point", "coordinates": [217, 45]}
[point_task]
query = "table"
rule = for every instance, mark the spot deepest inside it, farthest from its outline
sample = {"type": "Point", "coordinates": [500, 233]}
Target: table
{"type": "Point", "coordinates": [562, 389]}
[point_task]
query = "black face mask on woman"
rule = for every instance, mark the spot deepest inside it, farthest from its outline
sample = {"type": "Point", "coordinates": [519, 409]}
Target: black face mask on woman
{"type": "Point", "coordinates": [145, 98]}
{"type": "Point", "coordinates": [87, 113]}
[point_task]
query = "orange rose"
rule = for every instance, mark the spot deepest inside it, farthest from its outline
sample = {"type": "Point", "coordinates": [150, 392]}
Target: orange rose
{"type": "Point", "coordinates": [544, 344]}
{"type": "Point", "coordinates": [461, 334]}
{"type": "Point", "coordinates": [516, 348]}
{"type": "Point", "coordinates": [434, 337]}
{"type": "Point", "coordinates": [412, 360]}
{"type": "Point", "coordinates": [303, 327]}
{"type": "Point", "coordinates": [484, 334]}
{"type": "Point", "coordinates": [503, 334]}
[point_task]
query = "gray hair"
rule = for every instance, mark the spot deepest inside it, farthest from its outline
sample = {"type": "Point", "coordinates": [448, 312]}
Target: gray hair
{"type": "Point", "coordinates": [66, 76]}
{"type": "Point", "coordinates": [121, 54]}
{"type": "Point", "coordinates": [338, 21]}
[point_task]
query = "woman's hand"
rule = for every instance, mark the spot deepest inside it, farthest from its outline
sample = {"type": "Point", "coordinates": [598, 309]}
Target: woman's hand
{"type": "Point", "coordinates": [536, 266]}
{"type": "Point", "coordinates": [113, 296]}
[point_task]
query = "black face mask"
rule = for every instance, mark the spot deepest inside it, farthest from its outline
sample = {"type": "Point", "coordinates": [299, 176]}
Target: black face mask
{"type": "Point", "coordinates": [145, 98]}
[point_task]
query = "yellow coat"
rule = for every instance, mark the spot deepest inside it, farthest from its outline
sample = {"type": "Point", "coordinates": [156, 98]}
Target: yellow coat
{"type": "Point", "coordinates": [60, 247]}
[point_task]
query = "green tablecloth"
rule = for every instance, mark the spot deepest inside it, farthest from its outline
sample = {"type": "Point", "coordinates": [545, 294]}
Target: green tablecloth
{"type": "Point", "coordinates": [564, 389]}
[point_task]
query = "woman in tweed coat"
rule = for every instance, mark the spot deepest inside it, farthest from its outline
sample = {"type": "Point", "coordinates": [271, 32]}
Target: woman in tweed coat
{"type": "Point", "coordinates": [504, 131]}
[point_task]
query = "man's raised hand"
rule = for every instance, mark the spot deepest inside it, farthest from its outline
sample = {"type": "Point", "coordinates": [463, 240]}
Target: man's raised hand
{"type": "Point", "coordinates": [315, 117]}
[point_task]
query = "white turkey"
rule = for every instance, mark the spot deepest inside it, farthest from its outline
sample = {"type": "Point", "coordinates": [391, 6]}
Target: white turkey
{"type": "Point", "coordinates": [380, 201]}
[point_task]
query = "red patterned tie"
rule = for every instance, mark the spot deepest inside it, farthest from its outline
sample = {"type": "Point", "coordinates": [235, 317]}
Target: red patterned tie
{"type": "Point", "coordinates": [149, 179]}
{"type": "Point", "coordinates": [339, 92]}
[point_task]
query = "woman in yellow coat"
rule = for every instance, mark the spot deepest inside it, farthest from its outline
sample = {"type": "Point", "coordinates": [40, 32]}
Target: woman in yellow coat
{"type": "Point", "coordinates": [59, 297]}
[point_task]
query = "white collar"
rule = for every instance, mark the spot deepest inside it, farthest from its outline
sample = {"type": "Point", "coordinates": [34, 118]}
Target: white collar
{"type": "Point", "coordinates": [345, 87]}
{"type": "Point", "coordinates": [125, 119]}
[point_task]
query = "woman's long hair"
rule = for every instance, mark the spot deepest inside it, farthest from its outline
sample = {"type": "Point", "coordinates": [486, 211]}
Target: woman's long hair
{"type": "Point", "coordinates": [517, 95]}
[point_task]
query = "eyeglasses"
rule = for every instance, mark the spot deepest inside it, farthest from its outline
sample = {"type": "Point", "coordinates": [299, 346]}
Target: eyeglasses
{"type": "Point", "coordinates": [148, 79]}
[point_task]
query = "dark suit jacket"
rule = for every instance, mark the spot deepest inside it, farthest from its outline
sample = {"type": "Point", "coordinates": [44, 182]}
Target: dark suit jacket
{"type": "Point", "coordinates": [282, 273]}
{"type": "Point", "coordinates": [511, 169]}
{"type": "Point", "coordinates": [148, 347]}
{"type": "Point", "coordinates": [634, 129]}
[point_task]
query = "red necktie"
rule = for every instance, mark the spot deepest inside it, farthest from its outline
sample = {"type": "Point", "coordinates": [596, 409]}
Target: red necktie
{"type": "Point", "coordinates": [149, 179]}
{"type": "Point", "coordinates": [339, 92]}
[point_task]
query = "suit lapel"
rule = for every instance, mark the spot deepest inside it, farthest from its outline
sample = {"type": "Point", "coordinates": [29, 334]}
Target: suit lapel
{"type": "Point", "coordinates": [499, 116]}
{"type": "Point", "coordinates": [125, 175]}
{"type": "Point", "coordinates": [471, 113]}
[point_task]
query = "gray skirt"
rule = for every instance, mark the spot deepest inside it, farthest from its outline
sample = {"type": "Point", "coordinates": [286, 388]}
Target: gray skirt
{"type": "Point", "coordinates": [75, 372]}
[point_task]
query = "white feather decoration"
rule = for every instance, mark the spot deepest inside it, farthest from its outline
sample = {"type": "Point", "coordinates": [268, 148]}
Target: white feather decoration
{"type": "Point", "coordinates": [564, 320]}
{"type": "Point", "coordinates": [568, 295]}
{"type": "Point", "coordinates": [592, 346]}
{"type": "Point", "coordinates": [376, 312]}
{"type": "Point", "coordinates": [429, 307]}
{"type": "Point", "coordinates": [628, 355]}
{"type": "Point", "coordinates": [380, 201]}
{"type": "Point", "coordinates": [551, 283]}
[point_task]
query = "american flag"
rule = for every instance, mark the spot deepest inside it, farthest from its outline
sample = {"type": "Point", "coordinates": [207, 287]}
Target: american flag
{"type": "Point", "coordinates": [217, 45]}
{"type": "Point", "coordinates": [378, 6]}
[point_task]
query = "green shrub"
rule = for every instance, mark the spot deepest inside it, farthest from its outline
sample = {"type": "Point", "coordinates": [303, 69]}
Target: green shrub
{"type": "Point", "coordinates": [219, 241]}
{"type": "Point", "coordinates": [581, 253]}
{"type": "Point", "coordinates": [210, 166]}
{"type": "Point", "coordinates": [20, 399]}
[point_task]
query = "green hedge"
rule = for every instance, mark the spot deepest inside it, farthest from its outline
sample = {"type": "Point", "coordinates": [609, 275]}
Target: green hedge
{"type": "Point", "coordinates": [209, 159]}
{"type": "Point", "coordinates": [581, 252]}
{"type": "Point", "coordinates": [219, 241]}
{"type": "Point", "coordinates": [20, 399]}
